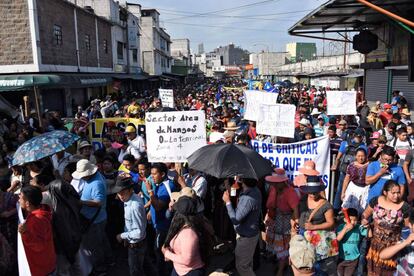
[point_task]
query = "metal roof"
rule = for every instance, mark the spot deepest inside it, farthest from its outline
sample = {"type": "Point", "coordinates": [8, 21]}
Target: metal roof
{"type": "Point", "coordinates": [347, 16]}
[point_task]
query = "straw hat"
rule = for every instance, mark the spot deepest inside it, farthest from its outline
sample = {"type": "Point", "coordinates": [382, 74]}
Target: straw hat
{"type": "Point", "coordinates": [405, 111]}
{"type": "Point", "coordinates": [304, 122]}
{"type": "Point", "coordinates": [309, 168]}
{"type": "Point", "coordinates": [84, 168]}
{"type": "Point", "coordinates": [231, 126]}
{"type": "Point", "coordinates": [84, 144]}
{"type": "Point", "coordinates": [278, 177]}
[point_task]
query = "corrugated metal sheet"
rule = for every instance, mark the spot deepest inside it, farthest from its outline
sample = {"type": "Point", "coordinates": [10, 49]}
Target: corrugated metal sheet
{"type": "Point", "coordinates": [376, 85]}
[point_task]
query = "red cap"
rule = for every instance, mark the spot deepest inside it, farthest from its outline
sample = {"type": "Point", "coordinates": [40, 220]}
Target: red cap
{"type": "Point", "coordinates": [387, 105]}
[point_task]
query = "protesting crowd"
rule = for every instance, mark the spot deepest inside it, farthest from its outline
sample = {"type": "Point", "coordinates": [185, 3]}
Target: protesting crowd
{"type": "Point", "coordinates": [76, 210]}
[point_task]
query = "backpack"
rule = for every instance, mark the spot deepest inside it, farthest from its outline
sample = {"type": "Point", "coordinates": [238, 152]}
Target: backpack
{"type": "Point", "coordinates": [349, 155]}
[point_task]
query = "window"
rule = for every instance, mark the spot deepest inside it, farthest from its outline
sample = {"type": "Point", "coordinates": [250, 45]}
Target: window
{"type": "Point", "coordinates": [88, 42]}
{"type": "Point", "coordinates": [105, 46]}
{"type": "Point", "coordinates": [134, 55]}
{"type": "Point", "coordinates": [120, 50]}
{"type": "Point", "coordinates": [57, 35]}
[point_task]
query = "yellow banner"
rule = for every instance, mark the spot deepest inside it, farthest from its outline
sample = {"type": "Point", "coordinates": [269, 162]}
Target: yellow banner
{"type": "Point", "coordinates": [98, 128]}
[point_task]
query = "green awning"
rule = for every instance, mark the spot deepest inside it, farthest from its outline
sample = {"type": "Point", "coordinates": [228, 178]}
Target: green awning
{"type": "Point", "coordinates": [27, 82]}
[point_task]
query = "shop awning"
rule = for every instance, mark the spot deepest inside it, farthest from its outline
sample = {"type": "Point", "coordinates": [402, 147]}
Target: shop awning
{"type": "Point", "coordinates": [28, 81]}
{"type": "Point", "coordinates": [130, 77]}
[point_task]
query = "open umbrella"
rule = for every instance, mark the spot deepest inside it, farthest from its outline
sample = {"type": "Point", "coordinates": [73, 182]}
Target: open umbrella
{"type": "Point", "coordinates": [227, 160]}
{"type": "Point", "coordinates": [43, 145]}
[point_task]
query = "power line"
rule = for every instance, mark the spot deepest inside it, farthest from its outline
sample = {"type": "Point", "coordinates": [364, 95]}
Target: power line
{"type": "Point", "coordinates": [227, 15]}
{"type": "Point", "coordinates": [226, 27]}
{"type": "Point", "coordinates": [218, 16]}
{"type": "Point", "coordinates": [228, 9]}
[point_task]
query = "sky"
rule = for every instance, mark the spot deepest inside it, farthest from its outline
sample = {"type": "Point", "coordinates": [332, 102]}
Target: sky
{"type": "Point", "coordinates": [254, 25]}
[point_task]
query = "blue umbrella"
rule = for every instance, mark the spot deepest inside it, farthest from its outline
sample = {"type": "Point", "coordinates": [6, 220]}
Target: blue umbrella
{"type": "Point", "coordinates": [43, 145]}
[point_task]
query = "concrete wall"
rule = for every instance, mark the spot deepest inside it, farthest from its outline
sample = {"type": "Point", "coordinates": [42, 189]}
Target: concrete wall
{"type": "Point", "coordinates": [15, 35]}
{"type": "Point", "coordinates": [323, 64]}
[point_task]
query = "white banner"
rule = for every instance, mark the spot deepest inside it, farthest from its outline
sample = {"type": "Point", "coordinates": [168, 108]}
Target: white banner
{"type": "Point", "coordinates": [173, 136]}
{"type": "Point", "coordinates": [23, 264]}
{"type": "Point", "coordinates": [167, 97]}
{"type": "Point", "coordinates": [253, 100]}
{"type": "Point", "coordinates": [291, 157]}
{"type": "Point", "coordinates": [341, 102]}
{"type": "Point", "coordinates": [276, 120]}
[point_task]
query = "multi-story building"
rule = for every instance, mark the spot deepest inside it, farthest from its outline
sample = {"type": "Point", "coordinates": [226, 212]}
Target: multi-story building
{"type": "Point", "coordinates": [232, 55]}
{"type": "Point", "coordinates": [207, 61]}
{"type": "Point", "coordinates": [180, 51]}
{"type": "Point", "coordinates": [267, 63]}
{"type": "Point", "coordinates": [301, 51]}
{"type": "Point", "coordinates": [56, 60]}
{"type": "Point", "coordinates": [155, 44]}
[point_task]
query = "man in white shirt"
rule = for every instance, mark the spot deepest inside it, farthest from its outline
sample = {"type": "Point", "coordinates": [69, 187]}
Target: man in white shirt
{"type": "Point", "coordinates": [60, 160]}
{"type": "Point", "coordinates": [402, 144]}
{"type": "Point", "coordinates": [196, 181]}
{"type": "Point", "coordinates": [136, 143]}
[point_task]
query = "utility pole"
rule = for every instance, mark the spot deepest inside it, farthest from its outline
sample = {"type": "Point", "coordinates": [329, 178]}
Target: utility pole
{"type": "Point", "coordinates": [345, 50]}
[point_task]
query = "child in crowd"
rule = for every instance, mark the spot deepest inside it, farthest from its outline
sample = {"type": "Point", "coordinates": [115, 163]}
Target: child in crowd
{"type": "Point", "coordinates": [405, 249]}
{"type": "Point", "coordinates": [349, 236]}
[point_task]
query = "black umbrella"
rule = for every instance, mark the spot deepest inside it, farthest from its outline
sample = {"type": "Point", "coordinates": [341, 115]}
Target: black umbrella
{"type": "Point", "coordinates": [227, 160]}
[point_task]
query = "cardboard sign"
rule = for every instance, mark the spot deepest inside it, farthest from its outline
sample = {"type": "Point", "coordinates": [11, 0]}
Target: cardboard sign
{"type": "Point", "coordinates": [276, 120]}
{"type": "Point", "coordinates": [291, 157]}
{"type": "Point", "coordinates": [173, 136]}
{"type": "Point", "coordinates": [167, 97]}
{"type": "Point", "coordinates": [254, 99]}
{"type": "Point", "coordinates": [341, 102]}
{"type": "Point", "coordinates": [98, 128]}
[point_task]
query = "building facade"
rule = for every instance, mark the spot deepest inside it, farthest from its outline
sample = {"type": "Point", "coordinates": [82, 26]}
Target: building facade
{"type": "Point", "coordinates": [61, 57]}
{"type": "Point", "coordinates": [232, 55]}
{"type": "Point", "coordinates": [301, 51]}
{"type": "Point", "coordinates": [155, 44]}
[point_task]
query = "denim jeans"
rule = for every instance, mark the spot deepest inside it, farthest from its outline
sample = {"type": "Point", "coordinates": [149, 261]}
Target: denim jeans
{"type": "Point", "coordinates": [338, 201]}
{"type": "Point", "coordinates": [363, 250]}
{"type": "Point", "coordinates": [136, 258]}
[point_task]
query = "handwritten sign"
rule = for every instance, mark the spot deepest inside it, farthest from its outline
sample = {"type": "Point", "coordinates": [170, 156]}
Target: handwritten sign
{"type": "Point", "coordinates": [254, 99]}
{"type": "Point", "coordinates": [173, 136]}
{"type": "Point", "coordinates": [276, 120]}
{"type": "Point", "coordinates": [341, 102]}
{"type": "Point", "coordinates": [167, 97]}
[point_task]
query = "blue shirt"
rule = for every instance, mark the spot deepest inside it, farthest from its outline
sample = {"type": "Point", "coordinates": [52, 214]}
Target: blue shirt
{"type": "Point", "coordinates": [246, 216]}
{"type": "Point", "coordinates": [94, 189]}
{"type": "Point", "coordinates": [135, 220]}
{"type": "Point", "coordinates": [159, 220]}
{"type": "Point", "coordinates": [144, 191]}
{"type": "Point", "coordinates": [396, 173]}
{"type": "Point", "coordinates": [349, 245]}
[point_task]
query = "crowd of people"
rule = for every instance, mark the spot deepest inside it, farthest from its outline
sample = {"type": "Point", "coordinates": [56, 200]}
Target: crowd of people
{"type": "Point", "coordinates": [78, 209]}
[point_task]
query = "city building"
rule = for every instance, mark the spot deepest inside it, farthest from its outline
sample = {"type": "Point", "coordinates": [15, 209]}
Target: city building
{"type": "Point", "coordinates": [58, 61]}
{"type": "Point", "coordinates": [207, 61]}
{"type": "Point", "coordinates": [200, 48]}
{"type": "Point", "coordinates": [180, 51]}
{"type": "Point", "coordinates": [155, 44]}
{"type": "Point", "coordinates": [267, 63]}
{"type": "Point", "coordinates": [301, 51]}
{"type": "Point", "coordinates": [232, 55]}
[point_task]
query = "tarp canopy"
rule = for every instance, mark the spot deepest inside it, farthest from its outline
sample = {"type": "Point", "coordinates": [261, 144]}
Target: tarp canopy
{"type": "Point", "coordinates": [28, 81]}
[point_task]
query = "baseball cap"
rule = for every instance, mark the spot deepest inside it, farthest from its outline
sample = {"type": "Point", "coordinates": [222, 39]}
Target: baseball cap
{"type": "Point", "coordinates": [343, 122]}
{"type": "Point", "coordinates": [387, 105]}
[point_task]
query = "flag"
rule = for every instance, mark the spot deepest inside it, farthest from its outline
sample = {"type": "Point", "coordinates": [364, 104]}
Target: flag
{"type": "Point", "coordinates": [218, 94]}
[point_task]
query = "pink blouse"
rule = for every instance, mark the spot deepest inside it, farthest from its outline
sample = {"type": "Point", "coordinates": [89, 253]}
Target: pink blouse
{"type": "Point", "coordinates": [185, 252]}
